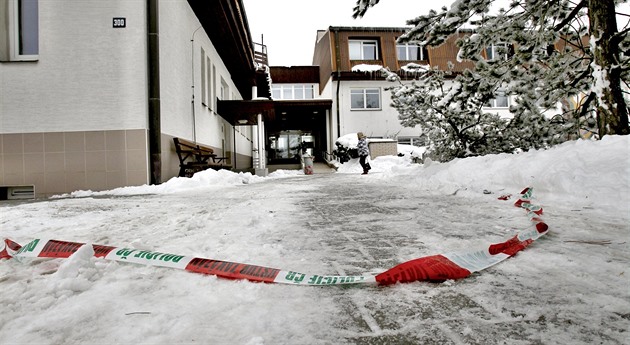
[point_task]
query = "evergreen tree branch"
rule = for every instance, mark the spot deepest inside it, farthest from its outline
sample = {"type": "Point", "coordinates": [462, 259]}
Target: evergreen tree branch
{"type": "Point", "coordinates": [572, 15]}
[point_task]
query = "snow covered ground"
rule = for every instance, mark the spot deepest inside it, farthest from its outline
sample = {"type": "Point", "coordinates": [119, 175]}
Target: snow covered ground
{"type": "Point", "coordinates": [569, 287]}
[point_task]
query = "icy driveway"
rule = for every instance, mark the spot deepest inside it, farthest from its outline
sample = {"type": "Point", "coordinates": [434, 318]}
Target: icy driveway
{"type": "Point", "coordinates": [560, 290]}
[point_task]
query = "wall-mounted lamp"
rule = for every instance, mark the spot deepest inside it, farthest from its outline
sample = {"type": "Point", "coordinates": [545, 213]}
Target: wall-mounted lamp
{"type": "Point", "coordinates": [242, 122]}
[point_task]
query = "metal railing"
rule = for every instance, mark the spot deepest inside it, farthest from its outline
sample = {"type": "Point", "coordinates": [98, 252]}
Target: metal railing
{"type": "Point", "coordinates": [260, 54]}
{"type": "Point", "coordinates": [328, 157]}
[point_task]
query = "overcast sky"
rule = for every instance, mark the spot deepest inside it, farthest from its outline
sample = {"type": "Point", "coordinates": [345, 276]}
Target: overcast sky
{"type": "Point", "coordinates": [289, 27]}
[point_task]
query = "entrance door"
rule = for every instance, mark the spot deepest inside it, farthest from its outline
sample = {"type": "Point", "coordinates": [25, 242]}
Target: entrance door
{"type": "Point", "coordinates": [285, 146]}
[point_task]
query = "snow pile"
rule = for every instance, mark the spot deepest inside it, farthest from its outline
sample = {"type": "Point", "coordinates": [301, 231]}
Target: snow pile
{"type": "Point", "coordinates": [367, 68]}
{"type": "Point", "coordinates": [349, 140]}
{"type": "Point", "coordinates": [581, 172]}
{"type": "Point", "coordinates": [204, 179]}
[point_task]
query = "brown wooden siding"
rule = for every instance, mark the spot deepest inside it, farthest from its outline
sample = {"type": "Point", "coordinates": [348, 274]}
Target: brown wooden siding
{"type": "Point", "coordinates": [388, 55]}
{"type": "Point", "coordinates": [386, 49]}
{"type": "Point", "coordinates": [323, 57]}
{"type": "Point", "coordinates": [295, 74]}
{"type": "Point", "coordinates": [440, 56]}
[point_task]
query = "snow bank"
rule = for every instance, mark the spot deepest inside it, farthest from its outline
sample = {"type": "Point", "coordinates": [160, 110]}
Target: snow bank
{"type": "Point", "coordinates": [579, 172]}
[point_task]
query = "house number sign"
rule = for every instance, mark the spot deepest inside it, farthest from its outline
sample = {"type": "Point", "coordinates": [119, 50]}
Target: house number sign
{"type": "Point", "coordinates": [120, 22]}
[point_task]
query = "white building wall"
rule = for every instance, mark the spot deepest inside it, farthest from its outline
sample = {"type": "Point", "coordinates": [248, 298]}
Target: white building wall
{"type": "Point", "coordinates": [89, 76]}
{"type": "Point", "coordinates": [181, 42]}
{"type": "Point", "coordinates": [382, 123]}
{"type": "Point", "coordinates": [331, 118]}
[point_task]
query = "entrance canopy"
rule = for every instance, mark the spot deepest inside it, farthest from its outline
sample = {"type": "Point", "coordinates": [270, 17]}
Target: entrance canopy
{"type": "Point", "coordinates": [245, 113]}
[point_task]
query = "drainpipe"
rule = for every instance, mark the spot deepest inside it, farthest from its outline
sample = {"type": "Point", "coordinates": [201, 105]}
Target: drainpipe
{"type": "Point", "coordinates": [338, 72]}
{"type": "Point", "coordinates": [192, 75]}
{"type": "Point", "coordinates": [337, 106]}
{"type": "Point", "coordinates": [153, 69]}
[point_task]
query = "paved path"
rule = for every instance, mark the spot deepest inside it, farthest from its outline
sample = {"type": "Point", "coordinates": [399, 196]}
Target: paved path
{"type": "Point", "coordinates": [370, 227]}
{"type": "Point", "coordinates": [357, 224]}
{"type": "Point", "coordinates": [339, 224]}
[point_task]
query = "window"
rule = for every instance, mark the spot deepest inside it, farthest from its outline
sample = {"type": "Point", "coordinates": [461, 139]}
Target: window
{"type": "Point", "coordinates": [500, 100]}
{"type": "Point", "coordinates": [292, 91]}
{"type": "Point", "coordinates": [225, 90]}
{"type": "Point", "coordinates": [21, 28]}
{"type": "Point", "coordinates": [363, 49]}
{"type": "Point", "coordinates": [365, 99]}
{"type": "Point", "coordinates": [204, 98]}
{"type": "Point", "coordinates": [214, 87]}
{"type": "Point", "coordinates": [209, 81]}
{"type": "Point", "coordinates": [415, 141]}
{"type": "Point", "coordinates": [497, 52]}
{"type": "Point", "coordinates": [410, 52]}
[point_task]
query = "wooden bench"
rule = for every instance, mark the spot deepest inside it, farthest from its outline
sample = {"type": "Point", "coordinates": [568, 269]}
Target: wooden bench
{"type": "Point", "coordinates": [194, 157]}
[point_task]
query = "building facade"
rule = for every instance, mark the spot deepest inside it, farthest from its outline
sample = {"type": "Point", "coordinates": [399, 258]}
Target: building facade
{"type": "Point", "coordinates": [92, 92]}
{"type": "Point", "coordinates": [349, 57]}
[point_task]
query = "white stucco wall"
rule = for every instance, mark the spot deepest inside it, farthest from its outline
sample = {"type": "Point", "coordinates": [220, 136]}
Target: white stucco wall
{"type": "Point", "coordinates": [377, 123]}
{"type": "Point", "coordinates": [181, 41]}
{"type": "Point", "coordinates": [89, 76]}
{"type": "Point", "coordinates": [374, 123]}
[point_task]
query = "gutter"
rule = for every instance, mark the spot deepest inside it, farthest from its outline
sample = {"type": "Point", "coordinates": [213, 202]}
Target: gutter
{"type": "Point", "coordinates": [153, 77]}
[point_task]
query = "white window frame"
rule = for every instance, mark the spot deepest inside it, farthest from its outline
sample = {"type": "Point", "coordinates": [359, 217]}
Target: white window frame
{"type": "Point", "coordinates": [209, 81]}
{"type": "Point", "coordinates": [225, 90]}
{"type": "Point", "coordinates": [500, 95]}
{"type": "Point", "coordinates": [362, 44]}
{"type": "Point", "coordinates": [11, 30]}
{"type": "Point", "coordinates": [406, 47]}
{"type": "Point", "coordinates": [364, 92]}
{"type": "Point", "coordinates": [279, 91]}
{"type": "Point", "coordinates": [413, 141]}
{"type": "Point", "coordinates": [213, 93]}
{"type": "Point", "coordinates": [204, 94]}
{"type": "Point", "coordinates": [492, 52]}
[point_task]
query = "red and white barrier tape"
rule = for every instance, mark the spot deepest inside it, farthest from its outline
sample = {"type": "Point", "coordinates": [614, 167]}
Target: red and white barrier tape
{"type": "Point", "coordinates": [430, 268]}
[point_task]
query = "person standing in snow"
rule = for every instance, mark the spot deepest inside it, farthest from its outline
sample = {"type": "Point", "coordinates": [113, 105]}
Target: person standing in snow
{"type": "Point", "coordinates": [364, 152]}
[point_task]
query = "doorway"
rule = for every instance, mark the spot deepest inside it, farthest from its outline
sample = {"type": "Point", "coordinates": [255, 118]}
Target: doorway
{"type": "Point", "coordinates": [286, 146]}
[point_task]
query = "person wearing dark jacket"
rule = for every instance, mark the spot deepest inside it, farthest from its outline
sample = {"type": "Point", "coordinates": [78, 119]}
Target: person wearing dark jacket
{"type": "Point", "coordinates": [364, 152]}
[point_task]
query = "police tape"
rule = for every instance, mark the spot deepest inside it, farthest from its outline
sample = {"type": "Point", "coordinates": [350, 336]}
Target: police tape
{"type": "Point", "coordinates": [430, 268]}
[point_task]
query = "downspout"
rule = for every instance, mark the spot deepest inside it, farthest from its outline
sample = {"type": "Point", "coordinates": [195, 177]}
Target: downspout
{"type": "Point", "coordinates": [153, 69]}
{"type": "Point", "coordinates": [337, 62]}
{"type": "Point", "coordinates": [192, 75]}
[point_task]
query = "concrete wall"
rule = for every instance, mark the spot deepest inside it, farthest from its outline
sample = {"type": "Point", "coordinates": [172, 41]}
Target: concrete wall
{"type": "Point", "coordinates": [384, 147]}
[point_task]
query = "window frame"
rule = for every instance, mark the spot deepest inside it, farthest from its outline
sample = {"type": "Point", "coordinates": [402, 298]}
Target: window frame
{"type": "Point", "coordinates": [224, 90]}
{"type": "Point", "coordinates": [364, 93]}
{"type": "Point", "coordinates": [292, 90]}
{"type": "Point", "coordinates": [406, 46]}
{"type": "Point", "coordinates": [493, 102]}
{"type": "Point", "coordinates": [362, 43]}
{"type": "Point", "coordinates": [204, 95]}
{"type": "Point", "coordinates": [494, 50]}
{"type": "Point", "coordinates": [13, 30]}
{"type": "Point", "coordinates": [209, 81]}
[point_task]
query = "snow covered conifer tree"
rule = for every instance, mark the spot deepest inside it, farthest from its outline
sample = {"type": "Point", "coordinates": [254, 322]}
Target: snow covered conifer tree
{"type": "Point", "coordinates": [546, 59]}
